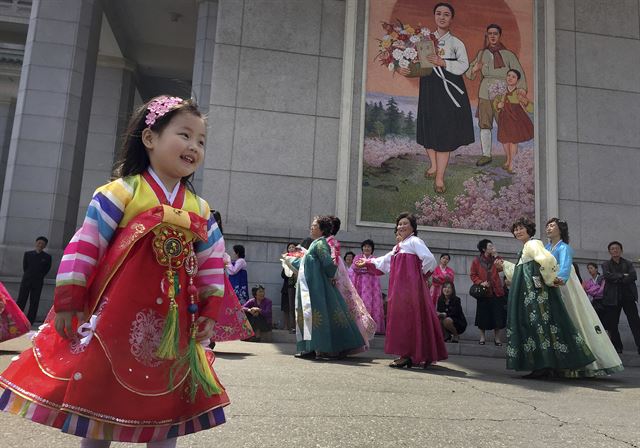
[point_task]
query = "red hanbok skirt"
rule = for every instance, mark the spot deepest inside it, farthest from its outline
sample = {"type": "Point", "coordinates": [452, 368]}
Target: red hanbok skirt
{"type": "Point", "coordinates": [113, 387]}
{"type": "Point", "coordinates": [514, 124]}
{"type": "Point", "coordinates": [413, 327]}
{"type": "Point", "coordinates": [13, 322]}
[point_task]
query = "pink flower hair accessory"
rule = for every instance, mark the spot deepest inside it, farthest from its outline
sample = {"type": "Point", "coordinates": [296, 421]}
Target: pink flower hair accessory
{"type": "Point", "coordinates": [160, 106]}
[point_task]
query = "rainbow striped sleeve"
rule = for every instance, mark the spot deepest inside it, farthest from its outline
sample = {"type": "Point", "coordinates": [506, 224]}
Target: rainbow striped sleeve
{"type": "Point", "coordinates": [210, 277]}
{"type": "Point", "coordinates": [90, 243]}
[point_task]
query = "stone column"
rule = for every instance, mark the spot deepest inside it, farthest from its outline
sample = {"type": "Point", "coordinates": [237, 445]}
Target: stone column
{"type": "Point", "coordinates": [111, 107]}
{"type": "Point", "coordinates": [46, 153]}
{"type": "Point", "coordinates": [203, 63]}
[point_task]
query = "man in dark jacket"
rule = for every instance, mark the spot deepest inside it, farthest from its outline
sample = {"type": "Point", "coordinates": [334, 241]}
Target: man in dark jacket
{"type": "Point", "coordinates": [620, 293]}
{"type": "Point", "coordinates": [35, 264]}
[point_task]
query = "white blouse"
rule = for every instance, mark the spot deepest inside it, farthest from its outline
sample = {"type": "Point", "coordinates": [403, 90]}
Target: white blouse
{"type": "Point", "coordinates": [410, 245]}
{"type": "Point", "coordinates": [453, 51]}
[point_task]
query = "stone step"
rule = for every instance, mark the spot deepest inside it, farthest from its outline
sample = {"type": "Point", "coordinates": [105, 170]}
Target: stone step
{"type": "Point", "coordinates": [463, 348]}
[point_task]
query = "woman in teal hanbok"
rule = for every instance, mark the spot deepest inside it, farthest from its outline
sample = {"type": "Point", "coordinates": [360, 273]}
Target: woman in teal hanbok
{"type": "Point", "coordinates": [541, 336]}
{"type": "Point", "coordinates": [324, 325]}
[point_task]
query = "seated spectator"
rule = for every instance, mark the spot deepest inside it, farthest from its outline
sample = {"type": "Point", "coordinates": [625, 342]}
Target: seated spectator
{"type": "Point", "coordinates": [258, 311]}
{"type": "Point", "coordinates": [450, 313]}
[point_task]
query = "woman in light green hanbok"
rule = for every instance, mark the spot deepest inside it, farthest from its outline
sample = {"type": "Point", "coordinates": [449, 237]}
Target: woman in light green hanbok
{"type": "Point", "coordinates": [324, 325]}
{"type": "Point", "coordinates": [582, 313]}
{"type": "Point", "coordinates": [541, 336]}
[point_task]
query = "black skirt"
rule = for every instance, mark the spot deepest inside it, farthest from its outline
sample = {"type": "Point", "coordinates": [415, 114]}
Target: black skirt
{"type": "Point", "coordinates": [441, 125]}
{"type": "Point", "coordinates": [491, 313]}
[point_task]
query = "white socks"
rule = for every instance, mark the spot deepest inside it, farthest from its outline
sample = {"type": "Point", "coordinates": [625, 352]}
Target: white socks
{"type": "Point", "coordinates": [485, 142]}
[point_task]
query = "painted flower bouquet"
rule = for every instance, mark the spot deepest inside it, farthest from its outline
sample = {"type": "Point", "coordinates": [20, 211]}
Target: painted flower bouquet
{"type": "Point", "coordinates": [398, 48]}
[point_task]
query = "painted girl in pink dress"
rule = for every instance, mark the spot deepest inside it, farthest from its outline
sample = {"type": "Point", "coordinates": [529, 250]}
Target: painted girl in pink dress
{"type": "Point", "coordinates": [440, 276]}
{"type": "Point", "coordinates": [413, 327]}
{"type": "Point", "coordinates": [368, 285]}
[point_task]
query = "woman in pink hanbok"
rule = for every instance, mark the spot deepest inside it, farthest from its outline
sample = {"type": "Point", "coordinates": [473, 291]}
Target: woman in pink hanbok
{"type": "Point", "coordinates": [413, 327]}
{"type": "Point", "coordinates": [13, 322]}
{"type": "Point", "coordinates": [357, 308]}
{"type": "Point", "coordinates": [368, 285]}
{"type": "Point", "coordinates": [442, 274]}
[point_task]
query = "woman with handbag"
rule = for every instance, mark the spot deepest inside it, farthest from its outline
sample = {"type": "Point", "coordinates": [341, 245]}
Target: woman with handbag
{"type": "Point", "coordinates": [488, 291]}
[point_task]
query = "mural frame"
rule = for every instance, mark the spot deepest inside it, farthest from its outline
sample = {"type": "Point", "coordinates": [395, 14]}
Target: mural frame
{"type": "Point", "coordinates": [544, 118]}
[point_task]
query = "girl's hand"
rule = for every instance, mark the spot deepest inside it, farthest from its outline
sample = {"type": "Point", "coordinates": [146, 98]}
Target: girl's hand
{"type": "Point", "coordinates": [500, 105]}
{"type": "Point", "coordinates": [205, 328]}
{"type": "Point", "coordinates": [361, 263]}
{"type": "Point", "coordinates": [63, 324]}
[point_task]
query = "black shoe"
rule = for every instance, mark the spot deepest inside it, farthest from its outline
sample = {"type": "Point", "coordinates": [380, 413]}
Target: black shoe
{"type": "Point", "coordinates": [306, 355]}
{"type": "Point", "coordinates": [539, 374]}
{"type": "Point", "coordinates": [399, 364]}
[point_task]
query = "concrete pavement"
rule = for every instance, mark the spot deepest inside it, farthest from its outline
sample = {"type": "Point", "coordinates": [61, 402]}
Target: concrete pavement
{"type": "Point", "coordinates": [467, 401]}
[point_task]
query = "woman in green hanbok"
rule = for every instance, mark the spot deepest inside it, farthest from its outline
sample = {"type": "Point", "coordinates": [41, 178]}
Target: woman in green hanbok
{"type": "Point", "coordinates": [541, 336]}
{"type": "Point", "coordinates": [324, 325]}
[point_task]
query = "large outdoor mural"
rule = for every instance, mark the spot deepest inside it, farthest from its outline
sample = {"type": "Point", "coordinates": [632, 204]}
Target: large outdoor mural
{"type": "Point", "coordinates": [448, 125]}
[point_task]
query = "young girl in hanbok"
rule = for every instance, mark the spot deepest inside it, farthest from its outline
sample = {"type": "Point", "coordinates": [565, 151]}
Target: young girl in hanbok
{"type": "Point", "coordinates": [413, 327]}
{"type": "Point", "coordinates": [139, 289]}
{"type": "Point", "coordinates": [13, 322]}
{"type": "Point", "coordinates": [514, 124]}
{"type": "Point", "coordinates": [237, 271]}
{"type": "Point", "coordinates": [368, 286]}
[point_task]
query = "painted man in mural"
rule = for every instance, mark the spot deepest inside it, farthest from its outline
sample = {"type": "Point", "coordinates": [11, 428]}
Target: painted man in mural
{"type": "Point", "coordinates": [492, 64]}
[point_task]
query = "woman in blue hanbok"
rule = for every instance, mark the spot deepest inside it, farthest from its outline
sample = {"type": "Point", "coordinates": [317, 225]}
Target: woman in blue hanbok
{"type": "Point", "coordinates": [541, 336]}
{"type": "Point", "coordinates": [578, 306]}
{"type": "Point", "coordinates": [324, 325]}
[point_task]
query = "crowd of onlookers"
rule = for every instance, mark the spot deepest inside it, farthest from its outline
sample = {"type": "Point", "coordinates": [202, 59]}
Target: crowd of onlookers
{"type": "Point", "coordinates": [610, 291]}
{"type": "Point", "coordinates": [610, 287]}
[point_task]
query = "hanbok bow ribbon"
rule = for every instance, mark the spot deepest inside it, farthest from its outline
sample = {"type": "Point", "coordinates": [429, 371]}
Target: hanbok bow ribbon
{"type": "Point", "coordinates": [87, 329]}
{"type": "Point", "coordinates": [438, 71]}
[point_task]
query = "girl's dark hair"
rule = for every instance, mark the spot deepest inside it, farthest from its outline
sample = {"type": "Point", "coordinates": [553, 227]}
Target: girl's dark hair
{"type": "Point", "coordinates": [239, 249]}
{"type": "Point", "coordinates": [132, 156]}
{"type": "Point", "coordinates": [335, 223]}
{"type": "Point", "coordinates": [563, 227]}
{"type": "Point", "coordinates": [446, 5]}
{"type": "Point", "coordinates": [368, 243]}
{"type": "Point", "coordinates": [353, 255]}
{"type": "Point", "coordinates": [325, 223]}
{"type": "Point", "coordinates": [592, 264]}
{"type": "Point", "coordinates": [496, 26]}
{"type": "Point", "coordinates": [482, 245]}
{"type": "Point", "coordinates": [453, 289]}
{"type": "Point", "coordinates": [218, 217]}
{"type": "Point", "coordinates": [412, 220]}
{"type": "Point", "coordinates": [517, 72]}
{"type": "Point", "coordinates": [290, 243]}
{"type": "Point", "coordinates": [445, 255]}
{"type": "Point", "coordinates": [526, 223]}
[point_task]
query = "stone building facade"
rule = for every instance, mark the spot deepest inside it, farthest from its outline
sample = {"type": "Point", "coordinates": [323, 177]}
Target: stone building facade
{"type": "Point", "coordinates": [281, 82]}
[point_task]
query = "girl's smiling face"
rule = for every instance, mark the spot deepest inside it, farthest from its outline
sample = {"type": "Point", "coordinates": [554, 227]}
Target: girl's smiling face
{"type": "Point", "coordinates": [178, 150]}
{"type": "Point", "coordinates": [367, 250]}
{"type": "Point", "coordinates": [512, 79]}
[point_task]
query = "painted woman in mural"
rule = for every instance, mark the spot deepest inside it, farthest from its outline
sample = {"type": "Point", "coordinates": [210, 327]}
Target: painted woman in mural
{"type": "Point", "coordinates": [444, 120]}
